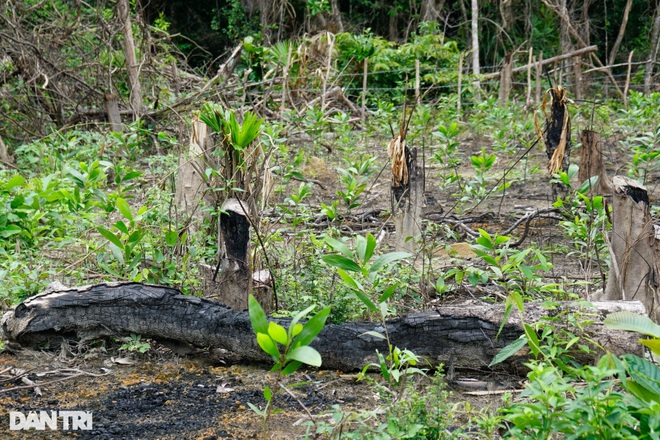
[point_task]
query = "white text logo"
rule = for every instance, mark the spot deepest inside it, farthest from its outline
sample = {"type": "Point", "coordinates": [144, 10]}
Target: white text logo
{"type": "Point", "coordinates": [39, 421]}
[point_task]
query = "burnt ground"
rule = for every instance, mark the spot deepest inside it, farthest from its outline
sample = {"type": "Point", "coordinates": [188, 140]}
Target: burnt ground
{"type": "Point", "coordinates": [164, 396]}
{"type": "Point", "coordinates": [160, 395]}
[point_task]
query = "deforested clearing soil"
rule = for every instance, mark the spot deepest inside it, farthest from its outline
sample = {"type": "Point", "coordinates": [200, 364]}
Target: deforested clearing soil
{"type": "Point", "coordinates": [161, 395]}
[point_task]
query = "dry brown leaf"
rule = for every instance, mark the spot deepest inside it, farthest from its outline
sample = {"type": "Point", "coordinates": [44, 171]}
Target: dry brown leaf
{"type": "Point", "coordinates": [397, 152]}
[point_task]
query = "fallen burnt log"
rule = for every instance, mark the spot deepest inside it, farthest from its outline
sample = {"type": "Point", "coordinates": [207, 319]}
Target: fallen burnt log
{"type": "Point", "coordinates": [461, 336]}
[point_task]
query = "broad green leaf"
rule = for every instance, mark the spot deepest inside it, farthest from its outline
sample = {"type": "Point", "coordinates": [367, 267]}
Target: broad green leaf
{"type": "Point", "coordinates": [360, 247]}
{"type": "Point", "coordinates": [484, 240]}
{"type": "Point", "coordinates": [296, 330]}
{"type": "Point", "coordinates": [117, 253]}
{"type": "Point", "coordinates": [532, 339]}
{"type": "Point", "coordinates": [341, 262]}
{"type": "Point", "coordinates": [112, 238]}
{"type": "Point", "coordinates": [268, 345]}
{"type": "Point", "coordinates": [16, 180]}
{"type": "Point", "coordinates": [306, 355]}
{"type": "Point", "coordinates": [277, 333]}
{"type": "Point", "coordinates": [374, 334]}
{"type": "Point", "coordinates": [509, 351]}
{"type": "Point", "coordinates": [588, 184]}
{"type": "Point", "coordinates": [10, 230]}
{"type": "Point", "coordinates": [268, 393]}
{"type": "Point", "coordinates": [366, 300]}
{"type": "Point", "coordinates": [312, 328]}
{"type": "Point", "coordinates": [485, 256]}
{"type": "Point", "coordinates": [121, 226]}
{"type": "Point", "coordinates": [171, 238]}
{"type": "Point", "coordinates": [339, 247]}
{"type": "Point", "coordinates": [632, 322]}
{"type": "Point", "coordinates": [291, 367]}
{"type": "Point", "coordinates": [501, 239]}
{"type": "Point", "coordinates": [349, 280]}
{"type": "Point", "coordinates": [388, 293]}
{"type": "Point", "coordinates": [371, 247]}
{"type": "Point", "coordinates": [645, 373]}
{"type": "Point", "coordinates": [653, 344]}
{"type": "Point", "coordinates": [123, 207]}
{"type": "Point", "coordinates": [131, 175]}
{"type": "Point", "coordinates": [293, 326]}
{"type": "Point", "coordinates": [135, 237]}
{"type": "Point", "coordinates": [527, 272]}
{"type": "Point", "coordinates": [386, 259]}
{"type": "Point", "coordinates": [517, 300]}
{"type": "Point", "coordinates": [257, 316]}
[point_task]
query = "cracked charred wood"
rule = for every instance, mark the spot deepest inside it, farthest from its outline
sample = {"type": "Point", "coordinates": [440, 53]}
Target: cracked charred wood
{"type": "Point", "coordinates": [557, 135]}
{"type": "Point", "coordinates": [233, 277]}
{"type": "Point", "coordinates": [461, 336]}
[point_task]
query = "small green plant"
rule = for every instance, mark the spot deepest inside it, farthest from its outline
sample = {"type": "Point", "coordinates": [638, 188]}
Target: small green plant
{"type": "Point", "coordinates": [135, 343]}
{"type": "Point", "coordinates": [354, 178]}
{"type": "Point", "coordinates": [587, 218]}
{"type": "Point", "coordinates": [288, 348]}
{"type": "Point", "coordinates": [447, 153]}
{"type": "Point", "coordinates": [126, 243]}
{"type": "Point", "coordinates": [482, 163]}
{"type": "Point", "coordinates": [364, 278]}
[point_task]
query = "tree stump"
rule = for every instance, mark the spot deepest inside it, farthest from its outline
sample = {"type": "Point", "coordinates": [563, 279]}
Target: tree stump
{"type": "Point", "coordinates": [558, 136]}
{"type": "Point", "coordinates": [635, 248]}
{"type": "Point", "coordinates": [233, 279]}
{"type": "Point", "coordinates": [112, 112]}
{"type": "Point", "coordinates": [407, 193]}
{"type": "Point", "coordinates": [190, 183]}
{"type": "Point", "coordinates": [505, 79]}
{"type": "Point", "coordinates": [591, 162]}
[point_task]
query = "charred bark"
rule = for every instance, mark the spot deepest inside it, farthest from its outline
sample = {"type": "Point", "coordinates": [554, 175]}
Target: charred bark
{"type": "Point", "coordinates": [462, 336]}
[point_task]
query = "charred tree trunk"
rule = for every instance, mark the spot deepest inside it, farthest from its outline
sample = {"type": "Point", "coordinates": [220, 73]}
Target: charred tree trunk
{"type": "Point", "coordinates": [233, 277]}
{"type": "Point", "coordinates": [635, 248]}
{"type": "Point", "coordinates": [591, 162]}
{"type": "Point", "coordinates": [460, 336]}
{"type": "Point", "coordinates": [558, 137]}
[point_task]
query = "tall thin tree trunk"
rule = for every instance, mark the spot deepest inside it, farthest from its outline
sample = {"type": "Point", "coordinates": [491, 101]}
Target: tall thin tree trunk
{"type": "Point", "coordinates": [431, 9]}
{"type": "Point", "coordinates": [336, 15]}
{"type": "Point", "coordinates": [653, 51]}
{"type": "Point", "coordinates": [622, 31]}
{"type": "Point", "coordinates": [132, 66]}
{"type": "Point", "coordinates": [475, 48]}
